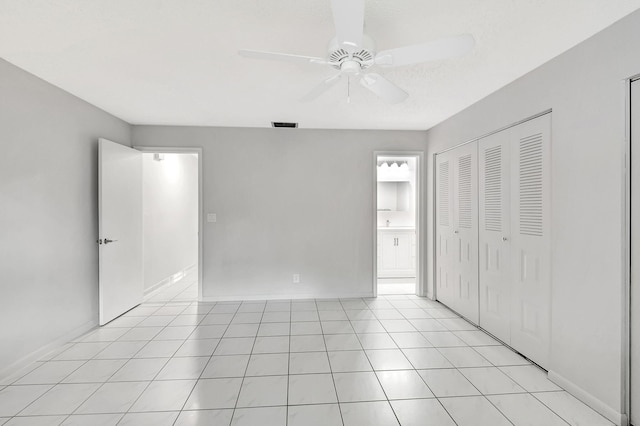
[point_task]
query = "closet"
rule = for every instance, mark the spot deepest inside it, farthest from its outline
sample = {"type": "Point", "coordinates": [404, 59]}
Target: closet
{"type": "Point", "coordinates": [505, 252]}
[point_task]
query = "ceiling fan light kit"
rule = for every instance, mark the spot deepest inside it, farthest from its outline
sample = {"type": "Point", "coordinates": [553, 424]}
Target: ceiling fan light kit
{"type": "Point", "coordinates": [353, 54]}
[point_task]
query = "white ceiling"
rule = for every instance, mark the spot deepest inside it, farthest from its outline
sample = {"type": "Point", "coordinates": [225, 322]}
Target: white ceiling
{"type": "Point", "coordinates": [176, 62]}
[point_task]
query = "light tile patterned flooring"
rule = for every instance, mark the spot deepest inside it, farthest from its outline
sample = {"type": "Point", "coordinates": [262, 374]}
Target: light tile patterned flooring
{"type": "Point", "coordinates": [353, 362]}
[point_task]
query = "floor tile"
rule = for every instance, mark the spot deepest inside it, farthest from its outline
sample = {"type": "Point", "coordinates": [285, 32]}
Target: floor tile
{"type": "Point", "coordinates": [477, 338]}
{"type": "Point", "coordinates": [457, 324]}
{"type": "Point", "coordinates": [342, 342]}
{"type": "Point", "coordinates": [156, 321]}
{"type": "Point", "coordinates": [397, 326]}
{"type": "Point", "coordinates": [416, 313]}
{"type": "Point", "coordinates": [247, 318]}
{"type": "Point", "coordinates": [530, 377]}
{"type": "Point", "coordinates": [200, 347]}
{"type": "Point", "coordinates": [113, 398]}
{"type": "Point", "coordinates": [180, 332]}
{"type": "Point", "coordinates": [36, 421]}
{"type": "Point", "coordinates": [368, 326]}
{"type": "Point", "coordinates": [297, 316]}
{"type": "Point", "coordinates": [303, 305]}
{"type": "Point", "coordinates": [15, 398]}
{"type": "Point", "coordinates": [410, 340]}
{"type": "Point", "coordinates": [428, 325]}
{"type": "Point", "coordinates": [140, 333]}
{"type": "Point", "coordinates": [144, 369]}
{"type": "Point", "coordinates": [226, 366]}
{"type": "Point", "coordinates": [368, 413]}
{"type": "Point", "coordinates": [164, 395]}
{"type": "Point", "coordinates": [387, 314]}
{"type": "Point", "coordinates": [308, 362]}
{"type": "Point", "coordinates": [204, 418]}
{"type": "Point", "coordinates": [388, 359]}
{"type": "Point", "coordinates": [263, 416]}
{"type": "Point", "coordinates": [208, 331]}
{"type": "Point", "coordinates": [214, 394]}
{"type": "Point", "coordinates": [464, 357]}
{"type": "Point", "coordinates": [224, 308]}
{"type": "Point", "coordinates": [274, 329]}
{"type": "Point", "coordinates": [448, 382]}
{"type": "Point", "coordinates": [333, 316]}
{"type": "Point", "coordinates": [501, 355]}
{"type": "Point", "coordinates": [95, 371]}
{"type": "Point", "coordinates": [337, 327]}
{"type": "Point", "coordinates": [235, 346]}
{"type": "Point", "coordinates": [443, 339]}
{"type": "Point", "coordinates": [311, 389]}
{"type": "Point", "coordinates": [268, 365]}
{"type": "Point", "coordinates": [304, 328]}
{"type": "Point", "coordinates": [252, 307]}
{"type": "Point", "coordinates": [271, 344]}
{"type": "Point", "coordinates": [423, 358]}
{"type": "Point", "coordinates": [490, 380]}
{"type": "Point", "coordinates": [349, 361]}
{"type": "Point", "coordinates": [92, 420]}
{"type": "Point", "coordinates": [159, 349]}
{"type": "Point", "coordinates": [186, 320]}
{"type": "Point", "coordinates": [61, 399]}
{"type": "Point", "coordinates": [571, 409]}
{"type": "Point", "coordinates": [524, 409]}
{"type": "Point", "coordinates": [359, 314]}
{"type": "Point", "coordinates": [474, 411]}
{"type": "Point", "coordinates": [421, 412]}
{"type": "Point", "coordinates": [263, 391]}
{"type": "Point", "coordinates": [50, 372]}
{"type": "Point", "coordinates": [353, 387]}
{"type": "Point", "coordinates": [149, 419]}
{"type": "Point", "coordinates": [217, 319]}
{"type": "Point", "coordinates": [277, 306]}
{"type": "Point", "coordinates": [376, 341]}
{"type": "Point", "coordinates": [120, 350]}
{"type": "Point", "coordinates": [105, 335]}
{"type": "Point", "coordinates": [242, 330]}
{"type": "Point", "coordinates": [311, 343]}
{"type": "Point", "coordinates": [276, 316]}
{"type": "Point", "coordinates": [183, 368]}
{"type": "Point", "coordinates": [315, 415]}
{"type": "Point", "coordinates": [404, 384]}
{"type": "Point", "coordinates": [82, 351]}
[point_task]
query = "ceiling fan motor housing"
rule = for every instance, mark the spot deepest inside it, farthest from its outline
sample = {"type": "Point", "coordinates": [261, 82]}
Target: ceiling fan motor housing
{"type": "Point", "coordinates": [354, 62]}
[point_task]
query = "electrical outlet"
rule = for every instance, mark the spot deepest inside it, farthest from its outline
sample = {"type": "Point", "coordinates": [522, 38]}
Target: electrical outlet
{"type": "Point", "coordinates": [212, 217]}
{"type": "Point", "coordinates": [296, 278]}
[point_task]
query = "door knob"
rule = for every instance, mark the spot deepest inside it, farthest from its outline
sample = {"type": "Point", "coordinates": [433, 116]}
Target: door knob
{"type": "Point", "coordinates": [455, 232]}
{"type": "Point", "coordinates": [505, 239]}
{"type": "Point", "coordinates": [107, 241]}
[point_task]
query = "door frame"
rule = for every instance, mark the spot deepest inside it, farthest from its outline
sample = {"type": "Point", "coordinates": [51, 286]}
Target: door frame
{"type": "Point", "coordinates": [626, 242]}
{"type": "Point", "coordinates": [420, 198]}
{"type": "Point", "coordinates": [186, 150]}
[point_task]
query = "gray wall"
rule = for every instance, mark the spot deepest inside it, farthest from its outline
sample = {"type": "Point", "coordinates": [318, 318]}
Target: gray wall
{"type": "Point", "coordinates": [287, 201]}
{"type": "Point", "coordinates": [48, 212]}
{"type": "Point", "coordinates": [170, 211]}
{"type": "Point", "coordinates": [585, 89]}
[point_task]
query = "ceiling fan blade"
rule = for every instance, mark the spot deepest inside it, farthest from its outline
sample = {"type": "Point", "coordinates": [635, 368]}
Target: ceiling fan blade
{"type": "Point", "coordinates": [321, 88]}
{"type": "Point", "coordinates": [348, 18]}
{"type": "Point", "coordinates": [272, 56]}
{"type": "Point", "coordinates": [431, 51]}
{"type": "Point", "coordinates": [383, 88]}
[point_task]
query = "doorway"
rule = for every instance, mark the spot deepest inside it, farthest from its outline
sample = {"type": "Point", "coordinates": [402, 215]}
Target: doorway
{"type": "Point", "coordinates": [172, 191]}
{"type": "Point", "coordinates": [397, 216]}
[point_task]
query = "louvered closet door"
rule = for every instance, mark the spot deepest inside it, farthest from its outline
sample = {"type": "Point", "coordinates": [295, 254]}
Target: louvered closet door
{"type": "Point", "coordinates": [494, 231]}
{"type": "Point", "coordinates": [465, 230]}
{"type": "Point", "coordinates": [444, 229]}
{"type": "Point", "coordinates": [530, 207]}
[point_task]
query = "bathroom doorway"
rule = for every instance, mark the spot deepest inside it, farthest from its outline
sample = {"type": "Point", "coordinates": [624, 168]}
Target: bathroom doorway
{"type": "Point", "coordinates": [397, 205]}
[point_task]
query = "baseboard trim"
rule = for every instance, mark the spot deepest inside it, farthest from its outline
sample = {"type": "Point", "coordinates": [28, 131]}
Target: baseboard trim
{"type": "Point", "coordinates": [171, 279]}
{"type": "Point", "coordinates": [611, 414]}
{"type": "Point", "coordinates": [16, 369]}
{"type": "Point", "coordinates": [286, 297]}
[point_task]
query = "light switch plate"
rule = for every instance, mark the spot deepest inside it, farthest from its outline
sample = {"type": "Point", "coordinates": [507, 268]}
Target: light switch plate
{"type": "Point", "coordinates": [211, 217]}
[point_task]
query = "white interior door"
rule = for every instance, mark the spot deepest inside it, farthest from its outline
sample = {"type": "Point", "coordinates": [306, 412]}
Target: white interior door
{"type": "Point", "coordinates": [494, 233]}
{"type": "Point", "coordinates": [531, 239]}
{"type": "Point", "coordinates": [635, 253]}
{"type": "Point", "coordinates": [120, 229]}
{"type": "Point", "coordinates": [465, 230]}
{"type": "Point", "coordinates": [444, 230]}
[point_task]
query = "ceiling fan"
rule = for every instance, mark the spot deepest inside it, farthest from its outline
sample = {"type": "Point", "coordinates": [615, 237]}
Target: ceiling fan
{"type": "Point", "coordinates": [353, 53]}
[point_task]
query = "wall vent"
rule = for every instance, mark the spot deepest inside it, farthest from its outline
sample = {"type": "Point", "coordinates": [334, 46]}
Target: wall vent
{"type": "Point", "coordinates": [284, 124]}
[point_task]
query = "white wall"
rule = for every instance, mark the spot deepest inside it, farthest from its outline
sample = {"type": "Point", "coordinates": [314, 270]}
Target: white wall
{"type": "Point", "coordinates": [170, 210]}
{"type": "Point", "coordinates": [584, 89]}
{"type": "Point", "coordinates": [287, 201]}
{"type": "Point", "coordinates": [48, 212]}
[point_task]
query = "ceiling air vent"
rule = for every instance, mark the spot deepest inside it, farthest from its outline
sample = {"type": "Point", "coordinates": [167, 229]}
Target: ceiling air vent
{"type": "Point", "coordinates": [283, 124]}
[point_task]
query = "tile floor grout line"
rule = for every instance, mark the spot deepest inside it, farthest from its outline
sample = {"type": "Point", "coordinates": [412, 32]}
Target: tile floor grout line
{"type": "Point", "coordinates": [333, 380]}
